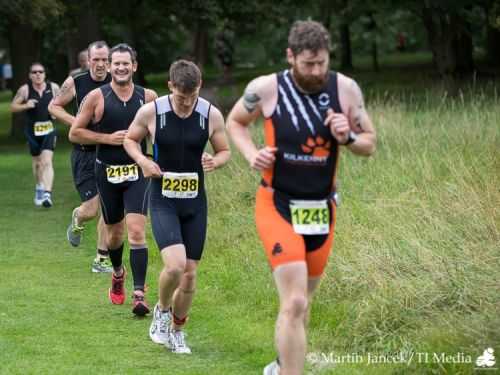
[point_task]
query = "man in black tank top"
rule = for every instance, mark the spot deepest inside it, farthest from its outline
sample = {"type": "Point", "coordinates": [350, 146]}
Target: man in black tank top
{"type": "Point", "coordinates": [123, 190]}
{"type": "Point", "coordinates": [179, 126]}
{"type": "Point", "coordinates": [33, 99]}
{"type": "Point", "coordinates": [76, 87]}
{"type": "Point", "coordinates": [310, 113]}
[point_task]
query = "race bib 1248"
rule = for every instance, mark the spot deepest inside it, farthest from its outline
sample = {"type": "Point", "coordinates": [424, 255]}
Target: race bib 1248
{"type": "Point", "coordinates": [310, 217]}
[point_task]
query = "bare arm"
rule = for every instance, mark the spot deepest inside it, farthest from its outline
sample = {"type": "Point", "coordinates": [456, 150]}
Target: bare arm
{"type": "Point", "coordinates": [88, 109]}
{"type": "Point", "coordinates": [20, 103]}
{"type": "Point", "coordinates": [64, 96]}
{"type": "Point", "coordinates": [150, 95]}
{"type": "Point", "coordinates": [356, 122]}
{"type": "Point", "coordinates": [258, 94]}
{"type": "Point", "coordinates": [218, 141]}
{"type": "Point", "coordinates": [55, 88]}
{"type": "Point", "coordinates": [143, 125]}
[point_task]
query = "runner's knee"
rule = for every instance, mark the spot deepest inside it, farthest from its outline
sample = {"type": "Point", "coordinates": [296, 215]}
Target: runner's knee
{"type": "Point", "coordinates": [174, 271]}
{"type": "Point", "coordinates": [115, 237]}
{"type": "Point", "coordinates": [189, 279]}
{"type": "Point", "coordinates": [295, 306]}
{"type": "Point", "coordinates": [136, 233]}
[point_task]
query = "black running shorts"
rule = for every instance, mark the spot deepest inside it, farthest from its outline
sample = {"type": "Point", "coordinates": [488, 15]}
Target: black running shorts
{"type": "Point", "coordinates": [179, 221]}
{"type": "Point", "coordinates": [38, 144]}
{"type": "Point", "coordinates": [83, 168]}
{"type": "Point", "coordinates": [117, 200]}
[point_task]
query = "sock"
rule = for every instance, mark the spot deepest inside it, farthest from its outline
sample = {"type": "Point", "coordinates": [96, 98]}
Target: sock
{"type": "Point", "coordinates": [39, 187]}
{"type": "Point", "coordinates": [139, 265]}
{"type": "Point", "coordinates": [179, 321]}
{"type": "Point", "coordinates": [115, 255]}
{"type": "Point", "coordinates": [102, 254]}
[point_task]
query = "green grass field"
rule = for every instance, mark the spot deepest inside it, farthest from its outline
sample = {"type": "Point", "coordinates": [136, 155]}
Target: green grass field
{"type": "Point", "coordinates": [412, 279]}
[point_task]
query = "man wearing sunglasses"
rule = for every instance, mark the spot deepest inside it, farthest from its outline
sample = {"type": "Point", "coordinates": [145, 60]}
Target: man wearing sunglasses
{"type": "Point", "coordinates": [33, 99]}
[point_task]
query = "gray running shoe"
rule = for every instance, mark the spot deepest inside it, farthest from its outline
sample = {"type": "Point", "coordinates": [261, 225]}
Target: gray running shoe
{"type": "Point", "coordinates": [74, 232]}
{"type": "Point", "coordinates": [102, 265]}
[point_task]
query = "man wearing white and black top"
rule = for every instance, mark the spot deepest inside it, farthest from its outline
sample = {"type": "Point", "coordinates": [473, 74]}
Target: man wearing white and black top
{"type": "Point", "coordinates": [179, 126]}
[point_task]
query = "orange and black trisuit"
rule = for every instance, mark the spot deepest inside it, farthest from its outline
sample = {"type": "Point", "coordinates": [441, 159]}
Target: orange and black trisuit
{"type": "Point", "coordinates": [295, 210]}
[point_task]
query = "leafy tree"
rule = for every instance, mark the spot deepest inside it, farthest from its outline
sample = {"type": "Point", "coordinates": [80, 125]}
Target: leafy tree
{"type": "Point", "coordinates": [25, 21]}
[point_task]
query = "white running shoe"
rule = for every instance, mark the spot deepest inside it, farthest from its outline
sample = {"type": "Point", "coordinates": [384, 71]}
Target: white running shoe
{"type": "Point", "coordinates": [177, 342]}
{"type": "Point", "coordinates": [47, 200]}
{"type": "Point", "coordinates": [38, 195]}
{"type": "Point", "coordinates": [272, 369]}
{"type": "Point", "coordinates": [160, 326]}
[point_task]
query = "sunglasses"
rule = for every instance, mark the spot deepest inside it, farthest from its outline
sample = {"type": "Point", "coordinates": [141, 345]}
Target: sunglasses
{"type": "Point", "coordinates": [37, 71]}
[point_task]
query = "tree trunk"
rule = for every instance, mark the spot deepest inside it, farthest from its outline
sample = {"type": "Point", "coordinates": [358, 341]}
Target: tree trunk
{"type": "Point", "coordinates": [493, 46]}
{"type": "Point", "coordinates": [451, 44]}
{"type": "Point", "coordinates": [200, 43]}
{"type": "Point", "coordinates": [345, 47]}
{"type": "Point", "coordinates": [87, 30]}
{"type": "Point", "coordinates": [24, 46]}
{"type": "Point", "coordinates": [372, 29]}
{"type": "Point", "coordinates": [136, 41]}
{"type": "Point", "coordinates": [89, 25]}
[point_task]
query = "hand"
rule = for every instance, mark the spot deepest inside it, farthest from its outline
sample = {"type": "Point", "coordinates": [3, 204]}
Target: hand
{"type": "Point", "coordinates": [208, 162]}
{"type": "Point", "coordinates": [264, 158]}
{"type": "Point", "coordinates": [150, 168]}
{"type": "Point", "coordinates": [31, 103]}
{"type": "Point", "coordinates": [117, 137]}
{"type": "Point", "coordinates": [339, 126]}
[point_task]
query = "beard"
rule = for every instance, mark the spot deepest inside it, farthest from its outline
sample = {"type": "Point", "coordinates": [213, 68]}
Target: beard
{"type": "Point", "coordinates": [309, 84]}
{"type": "Point", "coordinates": [123, 81]}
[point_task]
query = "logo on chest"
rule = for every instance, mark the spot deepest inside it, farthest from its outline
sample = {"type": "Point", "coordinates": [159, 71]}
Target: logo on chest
{"type": "Point", "coordinates": [324, 101]}
{"type": "Point", "coordinates": [315, 152]}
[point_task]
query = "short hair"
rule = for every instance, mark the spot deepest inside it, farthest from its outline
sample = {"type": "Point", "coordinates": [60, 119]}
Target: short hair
{"type": "Point", "coordinates": [83, 53]}
{"type": "Point", "coordinates": [308, 35]}
{"type": "Point", "coordinates": [123, 47]}
{"type": "Point", "coordinates": [36, 63]}
{"type": "Point", "coordinates": [98, 44]}
{"type": "Point", "coordinates": [185, 75]}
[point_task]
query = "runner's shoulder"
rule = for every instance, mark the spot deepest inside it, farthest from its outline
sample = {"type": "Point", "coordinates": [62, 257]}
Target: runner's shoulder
{"type": "Point", "coordinates": [262, 82]}
{"type": "Point", "coordinates": [78, 75]}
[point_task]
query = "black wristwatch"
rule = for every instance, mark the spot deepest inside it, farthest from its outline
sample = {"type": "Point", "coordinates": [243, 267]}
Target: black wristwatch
{"type": "Point", "coordinates": [351, 139]}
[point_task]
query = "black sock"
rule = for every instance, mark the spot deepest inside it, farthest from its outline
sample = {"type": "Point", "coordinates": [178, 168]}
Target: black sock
{"type": "Point", "coordinates": [115, 255]}
{"type": "Point", "coordinates": [139, 266]}
{"type": "Point", "coordinates": [103, 253]}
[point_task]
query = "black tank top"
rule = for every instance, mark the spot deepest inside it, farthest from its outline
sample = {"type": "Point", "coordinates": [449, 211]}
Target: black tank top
{"type": "Point", "coordinates": [41, 110]}
{"type": "Point", "coordinates": [307, 153]}
{"type": "Point", "coordinates": [118, 115]}
{"type": "Point", "coordinates": [83, 85]}
{"type": "Point", "coordinates": [179, 142]}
